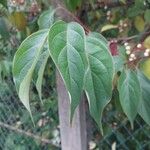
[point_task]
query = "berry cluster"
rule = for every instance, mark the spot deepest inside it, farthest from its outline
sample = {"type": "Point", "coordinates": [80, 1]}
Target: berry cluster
{"type": "Point", "coordinates": [20, 2]}
{"type": "Point", "coordinates": [136, 51]}
{"type": "Point", "coordinates": [122, 25]}
{"type": "Point", "coordinates": [109, 15]}
{"type": "Point", "coordinates": [147, 53]}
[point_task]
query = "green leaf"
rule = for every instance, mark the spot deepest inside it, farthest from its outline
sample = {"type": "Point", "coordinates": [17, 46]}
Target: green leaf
{"type": "Point", "coordinates": [99, 36]}
{"type": "Point", "coordinates": [123, 1]}
{"type": "Point", "coordinates": [146, 42]}
{"type": "Point", "coordinates": [19, 20]}
{"type": "Point", "coordinates": [67, 49]}
{"type": "Point", "coordinates": [137, 9]}
{"type": "Point", "coordinates": [116, 101]}
{"type": "Point", "coordinates": [3, 2]}
{"type": "Point", "coordinates": [129, 93]}
{"type": "Point", "coordinates": [73, 4]}
{"type": "Point", "coordinates": [118, 63]}
{"type": "Point", "coordinates": [120, 59]}
{"type": "Point", "coordinates": [122, 52]}
{"type": "Point", "coordinates": [147, 16]}
{"type": "Point", "coordinates": [4, 32]}
{"type": "Point", "coordinates": [98, 77]}
{"type": "Point", "coordinates": [109, 27]}
{"type": "Point", "coordinates": [134, 11]}
{"type": "Point", "coordinates": [3, 9]}
{"type": "Point", "coordinates": [46, 19]}
{"type": "Point", "coordinates": [24, 63]}
{"type": "Point", "coordinates": [139, 23]}
{"type": "Point", "coordinates": [139, 4]}
{"type": "Point", "coordinates": [5, 68]}
{"type": "Point", "coordinates": [144, 106]}
{"type": "Point", "coordinates": [39, 70]}
{"type": "Point", "coordinates": [145, 67]}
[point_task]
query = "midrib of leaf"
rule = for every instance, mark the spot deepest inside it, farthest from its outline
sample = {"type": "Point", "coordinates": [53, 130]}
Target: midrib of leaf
{"type": "Point", "coordinates": [66, 46]}
{"type": "Point", "coordinates": [66, 51]}
{"type": "Point", "coordinates": [41, 70]}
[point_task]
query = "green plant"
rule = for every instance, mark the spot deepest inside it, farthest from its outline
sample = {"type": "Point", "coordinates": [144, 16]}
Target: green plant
{"type": "Point", "coordinates": [11, 110]}
{"type": "Point", "coordinates": [85, 64]}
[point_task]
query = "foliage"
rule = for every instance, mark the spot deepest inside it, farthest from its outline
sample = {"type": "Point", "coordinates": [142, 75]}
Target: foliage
{"type": "Point", "coordinates": [73, 5]}
{"type": "Point", "coordinates": [130, 93]}
{"type": "Point", "coordinates": [85, 64]}
{"type": "Point", "coordinates": [84, 61]}
{"type": "Point", "coordinates": [98, 76]}
{"type": "Point", "coordinates": [11, 110]}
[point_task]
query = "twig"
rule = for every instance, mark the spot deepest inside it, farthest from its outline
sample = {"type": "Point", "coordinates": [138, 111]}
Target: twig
{"type": "Point", "coordinates": [110, 4]}
{"type": "Point", "coordinates": [87, 30]}
{"type": "Point", "coordinates": [141, 36]}
{"type": "Point", "coordinates": [136, 60]}
{"type": "Point", "coordinates": [125, 39]}
{"type": "Point", "coordinates": [29, 134]}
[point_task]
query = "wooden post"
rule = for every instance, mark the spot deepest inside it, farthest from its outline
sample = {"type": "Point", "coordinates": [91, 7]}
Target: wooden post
{"type": "Point", "coordinates": [72, 137]}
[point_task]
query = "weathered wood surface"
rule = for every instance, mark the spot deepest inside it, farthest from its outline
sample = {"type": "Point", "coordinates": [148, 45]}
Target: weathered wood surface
{"type": "Point", "coordinates": [73, 137]}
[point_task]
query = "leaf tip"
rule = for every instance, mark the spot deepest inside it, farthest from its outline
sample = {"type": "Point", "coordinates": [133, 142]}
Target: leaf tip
{"type": "Point", "coordinates": [132, 125]}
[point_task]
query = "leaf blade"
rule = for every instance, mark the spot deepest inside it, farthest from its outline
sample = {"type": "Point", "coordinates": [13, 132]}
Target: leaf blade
{"type": "Point", "coordinates": [73, 4]}
{"type": "Point", "coordinates": [129, 93]}
{"type": "Point", "coordinates": [66, 45]}
{"type": "Point", "coordinates": [39, 70]}
{"type": "Point", "coordinates": [98, 78]}
{"type": "Point", "coordinates": [47, 18]}
{"type": "Point", "coordinates": [144, 106]}
{"type": "Point", "coordinates": [108, 27]}
{"type": "Point", "coordinates": [24, 64]}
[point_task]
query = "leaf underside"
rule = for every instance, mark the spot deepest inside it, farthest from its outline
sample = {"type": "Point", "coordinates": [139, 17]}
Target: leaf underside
{"type": "Point", "coordinates": [47, 19]}
{"type": "Point", "coordinates": [39, 70]}
{"type": "Point", "coordinates": [24, 63]}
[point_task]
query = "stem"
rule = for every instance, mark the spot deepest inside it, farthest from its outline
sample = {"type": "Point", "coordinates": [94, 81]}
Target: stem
{"type": "Point", "coordinates": [29, 134]}
{"type": "Point", "coordinates": [142, 37]}
{"type": "Point", "coordinates": [110, 4]}
{"type": "Point", "coordinates": [87, 30]}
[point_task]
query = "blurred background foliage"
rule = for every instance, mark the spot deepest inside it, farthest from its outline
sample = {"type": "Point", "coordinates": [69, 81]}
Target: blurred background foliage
{"type": "Point", "coordinates": [120, 21]}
